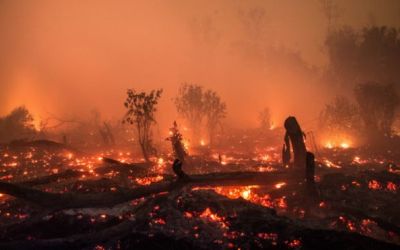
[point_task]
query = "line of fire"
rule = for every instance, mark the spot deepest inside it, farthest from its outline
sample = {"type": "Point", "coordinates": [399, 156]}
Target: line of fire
{"type": "Point", "coordinates": [200, 125]}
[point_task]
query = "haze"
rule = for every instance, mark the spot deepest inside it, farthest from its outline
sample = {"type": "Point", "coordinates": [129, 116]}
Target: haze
{"type": "Point", "coordinates": [69, 57]}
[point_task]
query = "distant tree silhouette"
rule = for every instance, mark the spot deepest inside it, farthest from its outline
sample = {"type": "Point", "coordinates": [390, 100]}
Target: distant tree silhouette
{"type": "Point", "coordinates": [377, 104]}
{"type": "Point", "coordinates": [264, 118]}
{"type": "Point", "coordinates": [340, 115]}
{"type": "Point", "coordinates": [196, 105]}
{"type": "Point", "coordinates": [17, 125]}
{"type": "Point", "coordinates": [215, 111]}
{"type": "Point", "coordinates": [372, 54]}
{"type": "Point", "coordinates": [141, 109]}
{"type": "Point", "coordinates": [189, 104]}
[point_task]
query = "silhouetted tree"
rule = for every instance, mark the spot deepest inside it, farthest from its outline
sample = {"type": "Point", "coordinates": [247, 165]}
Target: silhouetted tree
{"type": "Point", "coordinates": [215, 111]}
{"type": "Point", "coordinates": [141, 109]}
{"type": "Point", "coordinates": [342, 52]}
{"type": "Point", "coordinates": [377, 104]}
{"type": "Point", "coordinates": [196, 105]}
{"type": "Point", "coordinates": [106, 134]}
{"type": "Point", "coordinates": [17, 125]}
{"type": "Point", "coordinates": [372, 54]}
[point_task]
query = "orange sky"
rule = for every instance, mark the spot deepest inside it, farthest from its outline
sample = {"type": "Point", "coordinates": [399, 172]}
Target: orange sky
{"type": "Point", "coordinates": [68, 57]}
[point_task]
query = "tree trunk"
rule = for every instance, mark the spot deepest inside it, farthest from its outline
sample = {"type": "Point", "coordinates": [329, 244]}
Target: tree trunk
{"type": "Point", "coordinates": [144, 152]}
{"type": "Point", "coordinates": [296, 136]}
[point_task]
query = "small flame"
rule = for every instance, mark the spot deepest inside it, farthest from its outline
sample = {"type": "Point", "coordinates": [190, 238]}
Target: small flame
{"type": "Point", "coordinates": [279, 185]}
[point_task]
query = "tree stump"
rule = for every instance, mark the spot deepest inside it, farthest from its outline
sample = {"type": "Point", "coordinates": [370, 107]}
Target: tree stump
{"type": "Point", "coordinates": [295, 136]}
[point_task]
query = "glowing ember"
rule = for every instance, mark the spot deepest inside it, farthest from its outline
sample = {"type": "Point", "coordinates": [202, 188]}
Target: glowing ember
{"type": "Point", "coordinates": [268, 236]}
{"type": "Point", "coordinates": [391, 186]}
{"type": "Point", "coordinates": [349, 224]}
{"type": "Point", "coordinates": [358, 160]}
{"type": "Point", "coordinates": [281, 202]}
{"type": "Point", "coordinates": [188, 215]}
{"type": "Point", "coordinates": [148, 180]}
{"type": "Point", "coordinates": [247, 193]}
{"type": "Point", "coordinates": [160, 221]}
{"type": "Point", "coordinates": [236, 192]}
{"type": "Point", "coordinates": [208, 214]}
{"type": "Point", "coordinates": [293, 243]}
{"type": "Point", "coordinates": [280, 184]}
{"type": "Point", "coordinates": [330, 164]}
{"type": "Point", "coordinates": [374, 185]}
{"type": "Point", "coordinates": [369, 227]}
{"type": "Point", "coordinates": [266, 169]}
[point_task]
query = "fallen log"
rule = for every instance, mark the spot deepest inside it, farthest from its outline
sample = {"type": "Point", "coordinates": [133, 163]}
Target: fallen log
{"type": "Point", "coordinates": [123, 168]}
{"type": "Point", "coordinates": [57, 201]}
{"type": "Point", "coordinates": [53, 178]}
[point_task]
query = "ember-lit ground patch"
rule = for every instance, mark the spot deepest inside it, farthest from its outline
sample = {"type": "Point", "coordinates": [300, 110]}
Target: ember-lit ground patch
{"type": "Point", "coordinates": [359, 197]}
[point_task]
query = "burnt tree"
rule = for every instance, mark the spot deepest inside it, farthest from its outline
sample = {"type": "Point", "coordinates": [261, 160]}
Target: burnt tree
{"type": "Point", "coordinates": [295, 137]}
{"type": "Point", "coordinates": [176, 141]}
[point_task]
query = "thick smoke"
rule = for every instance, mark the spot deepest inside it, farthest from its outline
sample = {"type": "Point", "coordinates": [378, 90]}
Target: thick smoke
{"type": "Point", "coordinates": [69, 57]}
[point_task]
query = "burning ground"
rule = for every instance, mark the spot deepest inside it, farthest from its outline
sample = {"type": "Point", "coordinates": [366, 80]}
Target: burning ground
{"type": "Point", "coordinates": [55, 197]}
